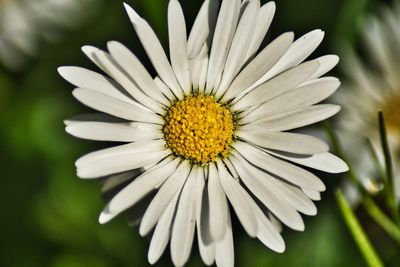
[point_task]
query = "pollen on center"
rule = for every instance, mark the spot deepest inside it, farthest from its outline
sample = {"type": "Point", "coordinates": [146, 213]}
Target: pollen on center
{"type": "Point", "coordinates": [199, 129]}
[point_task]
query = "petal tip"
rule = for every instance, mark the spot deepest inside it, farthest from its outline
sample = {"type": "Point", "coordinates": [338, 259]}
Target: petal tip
{"type": "Point", "coordinates": [281, 247]}
{"type": "Point", "coordinates": [61, 70]}
{"type": "Point", "coordinates": [271, 4]}
{"type": "Point", "coordinates": [88, 50]}
{"type": "Point", "coordinates": [105, 217]}
{"type": "Point", "coordinates": [344, 168]}
{"type": "Point", "coordinates": [68, 128]}
{"type": "Point", "coordinates": [151, 259]}
{"type": "Point", "coordinates": [133, 16]}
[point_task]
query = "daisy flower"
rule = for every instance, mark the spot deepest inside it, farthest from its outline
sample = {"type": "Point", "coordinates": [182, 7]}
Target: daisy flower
{"type": "Point", "coordinates": [212, 130]}
{"type": "Point", "coordinates": [24, 22]}
{"type": "Point", "coordinates": [374, 85]}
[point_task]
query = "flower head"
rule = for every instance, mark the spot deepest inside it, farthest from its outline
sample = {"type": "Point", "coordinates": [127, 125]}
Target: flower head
{"type": "Point", "coordinates": [24, 22]}
{"type": "Point", "coordinates": [213, 128]}
{"type": "Point", "coordinates": [374, 85]}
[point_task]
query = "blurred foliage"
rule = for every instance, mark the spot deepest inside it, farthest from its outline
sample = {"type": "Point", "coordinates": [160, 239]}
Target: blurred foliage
{"type": "Point", "coordinates": [49, 216]}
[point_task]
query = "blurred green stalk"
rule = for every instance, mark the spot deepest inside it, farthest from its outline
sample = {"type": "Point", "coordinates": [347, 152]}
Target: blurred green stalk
{"type": "Point", "coordinates": [389, 191]}
{"type": "Point", "coordinates": [369, 204]}
{"type": "Point", "coordinates": [387, 225]}
{"type": "Point", "coordinates": [361, 239]}
{"type": "Point", "coordinates": [375, 158]}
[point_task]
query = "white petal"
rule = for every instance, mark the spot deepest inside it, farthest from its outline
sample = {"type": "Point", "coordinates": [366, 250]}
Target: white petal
{"type": "Point", "coordinates": [232, 169]}
{"type": "Point", "coordinates": [195, 71]}
{"type": "Point", "coordinates": [275, 222]}
{"type": "Point", "coordinates": [134, 68]}
{"type": "Point", "coordinates": [184, 223]}
{"type": "Point", "coordinates": [119, 75]}
{"type": "Point", "coordinates": [114, 106]}
{"type": "Point", "coordinates": [90, 52]}
{"type": "Point", "coordinates": [218, 205]}
{"type": "Point", "coordinates": [306, 95]}
{"type": "Point", "coordinates": [361, 75]}
{"type": "Point", "coordinates": [326, 162]}
{"type": "Point", "coordinates": [120, 158]}
{"type": "Point", "coordinates": [206, 247]}
{"type": "Point", "coordinates": [209, 89]}
{"type": "Point", "coordinates": [224, 31]}
{"type": "Point", "coordinates": [146, 126]}
{"type": "Point", "coordinates": [266, 231]}
{"type": "Point", "coordinates": [107, 166]}
{"type": "Point", "coordinates": [292, 194]}
{"type": "Point", "coordinates": [94, 117]}
{"type": "Point", "coordinates": [162, 233]}
{"type": "Point", "coordinates": [178, 45]}
{"type": "Point", "coordinates": [115, 132]}
{"type": "Point", "coordinates": [138, 147]}
{"type": "Point", "coordinates": [106, 63]}
{"type": "Point", "coordinates": [156, 54]}
{"type": "Point", "coordinates": [166, 193]}
{"type": "Point", "coordinates": [289, 172]}
{"type": "Point", "coordinates": [259, 65]}
{"type": "Point", "coordinates": [235, 195]}
{"type": "Point", "coordinates": [391, 19]}
{"type": "Point", "coordinates": [203, 27]}
{"type": "Point", "coordinates": [164, 89]}
{"type": "Point", "coordinates": [312, 194]}
{"type": "Point", "coordinates": [240, 42]}
{"type": "Point", "coordinates": [284, 141]}
{"type": "Point", "coordinates": [255, 180]}
{"type": "Point", "coordinates": [295, 197]}
{"type": "Point", "coordinates": [224, 252]}
{"type": "Point", "coordinates": [379, 48]}
{"type": "Point", "coordinates": [116, 180]}
{"type": "Point", "coordinates": [294, 119]}
{"type": "Point", "coordinates": [264, 19]}
{"type": "Point", "coordinates": [298, 51]}
{"type": "Point", "coordinates": [326, 63]}
{"type": "Point", "coordinates": [137, 189]}
{"type": "Point", "coordinates": [105, 217]}
{"type": "Point", "coordinates": [142, 185]}
{"type": "Point", "coordinates": [85, 78]}
{"type": "Point", "coordinates": [278, 85]}
{"type": "Point", "coordinates": [203, 75]}
{"type": "Point", "coordinates": [133, 16]}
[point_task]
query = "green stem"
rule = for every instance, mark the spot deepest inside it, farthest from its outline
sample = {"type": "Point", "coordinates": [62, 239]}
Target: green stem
{"type": "Point", "coordinates": [374, 156]}
{"type": "Point", "coordinates": [361, 239]}
{"type": "Point", "coordinates": [389, 194]}
{"type": "Point", "coordinates": [376, 213]}
{"type": "Point", "coordinates": [387, 225]}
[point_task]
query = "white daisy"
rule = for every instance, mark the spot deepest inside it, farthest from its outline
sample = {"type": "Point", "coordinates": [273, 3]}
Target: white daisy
{"type": "Point", "coordinates": [24, 22]}
{"type": "Point", "coordinates": [212, 129]}
{"type": "Point", "coordinates": [374, 85]}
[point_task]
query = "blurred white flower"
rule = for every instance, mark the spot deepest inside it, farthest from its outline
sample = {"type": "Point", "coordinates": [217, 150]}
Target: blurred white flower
{"type": "Point", "coordinates": [23, 23]}
{"type": "Point", "coordinates": [213, 128]}
{"type": "Point", "coordinates": [374, 85]}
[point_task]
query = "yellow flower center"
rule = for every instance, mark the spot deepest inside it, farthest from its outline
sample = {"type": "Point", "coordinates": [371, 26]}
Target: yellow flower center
{"type": "Point", "coordinates": [198, 128]}
{"type": "Point", "coordinates": [391, 111]}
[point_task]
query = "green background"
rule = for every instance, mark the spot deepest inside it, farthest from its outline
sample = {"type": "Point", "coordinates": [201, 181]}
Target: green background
{"type": "Point", "coordinates": [49, 216]}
